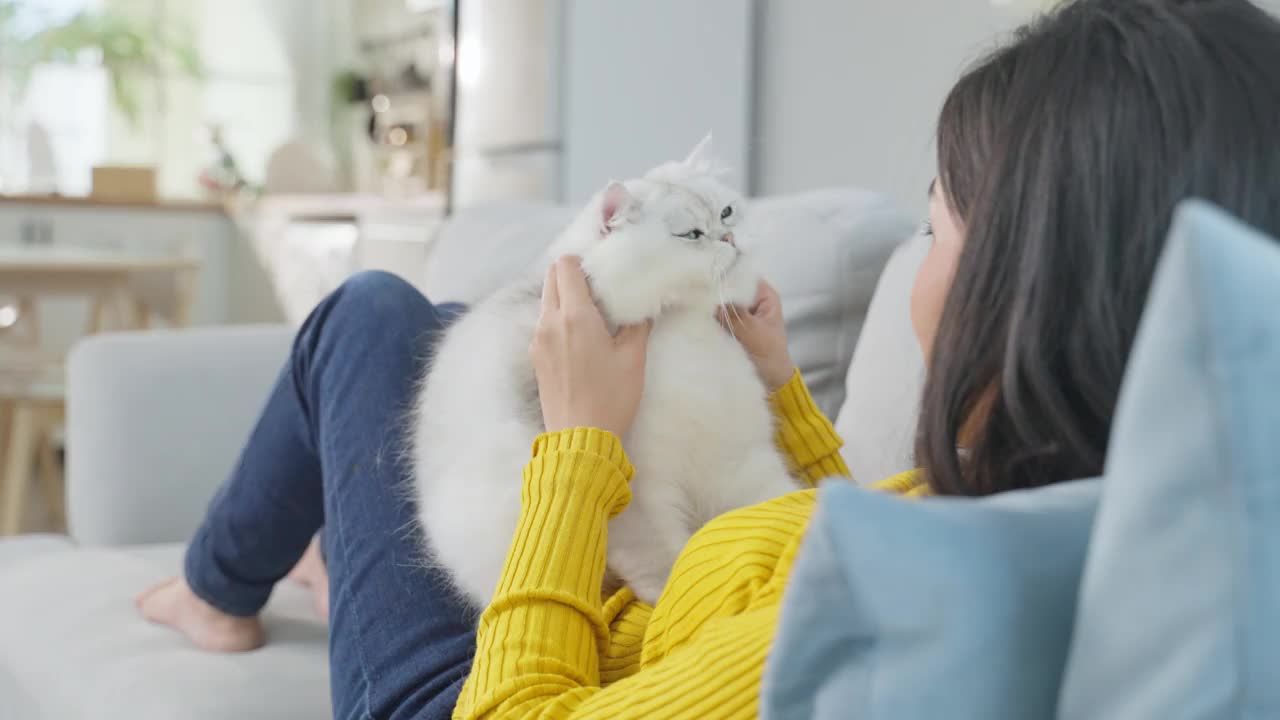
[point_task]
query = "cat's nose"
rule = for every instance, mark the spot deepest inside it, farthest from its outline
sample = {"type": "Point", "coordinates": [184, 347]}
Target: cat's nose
{"type": "Point", "coordinates": [728, 237]}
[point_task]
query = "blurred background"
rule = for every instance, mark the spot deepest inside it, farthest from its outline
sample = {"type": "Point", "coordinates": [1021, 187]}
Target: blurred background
{"type": "Point", "coordinates": [166, 163]}
{"type": "Point", "coordinates": [551, 95]}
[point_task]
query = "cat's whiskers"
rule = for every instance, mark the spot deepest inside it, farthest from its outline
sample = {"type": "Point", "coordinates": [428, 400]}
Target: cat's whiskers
{"type": "Point", "coordinates": [720, 275]}
{"type": "Point", "coordinates": [737, 316]}
{"type": "Point", "coordinates": [734, 307]}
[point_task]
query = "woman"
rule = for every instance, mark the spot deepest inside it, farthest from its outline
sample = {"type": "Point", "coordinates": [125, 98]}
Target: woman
{"type": "Point", "coordinates": [1061, 157]}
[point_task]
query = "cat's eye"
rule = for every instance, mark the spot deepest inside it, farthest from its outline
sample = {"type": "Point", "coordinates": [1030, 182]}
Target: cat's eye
{"type": "Point", "coordinates": [693, 235]}
{"type": "Point", "coordinates": [726, 213]}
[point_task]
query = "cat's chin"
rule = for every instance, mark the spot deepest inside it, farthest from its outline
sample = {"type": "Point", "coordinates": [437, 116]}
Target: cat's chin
{"type": "Point", "coordinates": [741, 283]}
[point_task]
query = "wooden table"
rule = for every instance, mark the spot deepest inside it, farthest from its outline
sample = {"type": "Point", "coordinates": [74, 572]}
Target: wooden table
{"type": "Point", "coordinates": [30, 409]}
{"type": "Point", "coordinates": [106, 280]}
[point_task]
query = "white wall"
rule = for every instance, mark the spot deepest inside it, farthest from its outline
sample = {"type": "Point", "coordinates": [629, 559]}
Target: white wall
{"type": "Point", "coordinates": [850, 89]}
{"type": "Point", "coordinates": [645, 81]}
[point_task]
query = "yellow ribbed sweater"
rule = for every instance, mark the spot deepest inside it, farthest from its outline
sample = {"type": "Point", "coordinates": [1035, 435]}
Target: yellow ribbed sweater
{"type": "Point", "coordinates": [550, 646]}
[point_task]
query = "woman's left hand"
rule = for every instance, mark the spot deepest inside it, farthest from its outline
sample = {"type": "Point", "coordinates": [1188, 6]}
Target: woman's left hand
{"type": "Point", "coordinates": [586, 377]}
{"type": "Point", "coordinates": [762, 332]}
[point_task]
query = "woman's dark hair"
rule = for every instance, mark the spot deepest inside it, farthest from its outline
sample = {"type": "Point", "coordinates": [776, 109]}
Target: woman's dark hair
{"type": "Point", "coordinates": [1064, 155]}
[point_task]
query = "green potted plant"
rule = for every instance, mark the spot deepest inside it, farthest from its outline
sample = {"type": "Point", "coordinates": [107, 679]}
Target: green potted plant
{"type": "Point", "coordinates": [125, 47]}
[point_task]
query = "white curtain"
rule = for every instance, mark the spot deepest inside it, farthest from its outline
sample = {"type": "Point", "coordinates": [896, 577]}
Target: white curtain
{"type": "Point", "coordinates": [314, 52]}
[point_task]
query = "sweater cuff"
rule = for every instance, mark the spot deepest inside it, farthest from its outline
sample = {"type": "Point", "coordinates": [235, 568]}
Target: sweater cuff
{"type": "Point", "coordinates": [804, 434]}
{"type": "Point", "coordinates": [575, 482]}
{"type": "Point", "coordinates": [792, 394]}
{"type": "Point", "coordinates": [601, 443]}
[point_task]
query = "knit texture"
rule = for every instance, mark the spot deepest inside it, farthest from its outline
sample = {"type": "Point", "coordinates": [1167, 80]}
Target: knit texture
{"type": "Point", "coordinates": [550, 646]}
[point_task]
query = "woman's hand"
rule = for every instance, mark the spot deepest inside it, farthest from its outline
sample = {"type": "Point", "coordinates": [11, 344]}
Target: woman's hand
{"type": "Point", "coordinates": [586, 377]}
{"type": "Point", "coordinates": [763, 333]}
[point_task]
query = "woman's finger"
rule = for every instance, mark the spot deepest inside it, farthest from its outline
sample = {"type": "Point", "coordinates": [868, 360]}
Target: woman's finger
{"type": "Point", "coordinates": [731, 316]}
{"type": "Point", "coordinates": [574, 291]}
{"type": "Point", "coordinates": [762, 292]}
{"type": "Point", "coordinates": [550, 291]}
{"type": "Point", "coordinates": [767, 300]}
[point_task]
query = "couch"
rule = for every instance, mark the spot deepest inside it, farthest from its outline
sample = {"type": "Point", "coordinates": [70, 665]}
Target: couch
{"type": "Point", "coordinates": [155, 421]}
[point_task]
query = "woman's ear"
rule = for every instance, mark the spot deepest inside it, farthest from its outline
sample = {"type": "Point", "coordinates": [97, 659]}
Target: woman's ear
{"type": "Point", "coordinates": [616, 204]}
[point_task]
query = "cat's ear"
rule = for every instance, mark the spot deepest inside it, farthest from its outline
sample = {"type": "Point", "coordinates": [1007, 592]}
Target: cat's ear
{"type": "Point", "coordinates": [616, 204]}
{"type": "Point", "coordinates": [699, 159]}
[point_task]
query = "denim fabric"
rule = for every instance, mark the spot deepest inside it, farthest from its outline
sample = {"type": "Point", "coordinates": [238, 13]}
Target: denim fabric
{"type": "Point", "coordinates": [1179, 611]}
{"type": "Point", "coordinates": [329, 450]}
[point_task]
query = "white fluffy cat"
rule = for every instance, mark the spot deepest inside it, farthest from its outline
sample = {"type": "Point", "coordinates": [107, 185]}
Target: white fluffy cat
{"type": "Point", "coordinates": [660, 247]}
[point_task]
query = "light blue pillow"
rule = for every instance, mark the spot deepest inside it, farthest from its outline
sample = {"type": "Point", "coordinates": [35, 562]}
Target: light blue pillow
{"type": "Point", "coordinates": [1179, 611]}
{"type": "Point", "coordinates": [934, 608]}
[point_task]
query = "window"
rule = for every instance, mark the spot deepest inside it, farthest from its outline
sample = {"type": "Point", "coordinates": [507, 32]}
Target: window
{"type": "Point", "coordinates": [249, 50]}
{"type": "Point", "coordinates": [67, 102]}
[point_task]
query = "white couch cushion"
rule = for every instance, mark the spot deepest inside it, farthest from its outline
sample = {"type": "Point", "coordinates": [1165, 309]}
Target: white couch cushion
{"type": "Point", "coordinates": [156, 421]}
{"type": "Point", "coordinates": [823, 250]}
{"type": "Point", "coordinates": [886, 377]}
{"type": "Point", "coordinates": [482, 249]}
{"type": "Point", "coordinates": [25, 547]}
{"type": "Point", "coordinates": [73, 647]}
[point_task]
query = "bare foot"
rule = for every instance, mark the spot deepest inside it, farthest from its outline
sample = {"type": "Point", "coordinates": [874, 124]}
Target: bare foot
{"type": "Point", "coordinates": [173, 603]}
{"type": "Point", "coordinates": [311, 573]}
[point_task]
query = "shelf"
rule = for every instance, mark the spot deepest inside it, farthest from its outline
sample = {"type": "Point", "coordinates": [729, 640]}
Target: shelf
{"type": "Point", "coordinates": [97, 203]}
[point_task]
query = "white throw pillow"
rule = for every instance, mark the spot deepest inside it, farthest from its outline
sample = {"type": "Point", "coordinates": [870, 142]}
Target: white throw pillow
{"type": "Point", "coordinates": [886, 377]}
{"type": "Point", "coordinates": [824, 252]}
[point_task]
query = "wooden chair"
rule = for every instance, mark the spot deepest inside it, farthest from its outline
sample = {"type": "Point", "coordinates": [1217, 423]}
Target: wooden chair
{"type": "Point", "coordinates": [125, 294]}
{"type": "Point", "coordinates": [31, 416]}
{"type": "Point", "coordinates": [30, 423]}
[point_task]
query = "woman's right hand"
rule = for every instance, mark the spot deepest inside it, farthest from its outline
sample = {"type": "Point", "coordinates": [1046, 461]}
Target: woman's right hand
{"type": "Point", "coordinates": [762, 332]}
{"type": "Point", "coordinates": [586, 377]}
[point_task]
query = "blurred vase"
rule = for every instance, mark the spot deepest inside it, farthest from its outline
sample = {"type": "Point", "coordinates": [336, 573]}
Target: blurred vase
{"type": "Point", "coordinates": [42, 168]}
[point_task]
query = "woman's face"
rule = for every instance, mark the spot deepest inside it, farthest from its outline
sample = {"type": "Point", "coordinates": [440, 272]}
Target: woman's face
{"type": "Point", "coordinates": [933, 281]}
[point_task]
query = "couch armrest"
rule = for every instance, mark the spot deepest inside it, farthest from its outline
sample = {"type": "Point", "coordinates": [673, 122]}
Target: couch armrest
{"type": "Point", "coordinates": [155, 422]}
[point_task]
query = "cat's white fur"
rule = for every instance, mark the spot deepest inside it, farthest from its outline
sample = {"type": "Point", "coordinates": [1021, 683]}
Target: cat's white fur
{"type": "Point", "coordinates": [702, 442]}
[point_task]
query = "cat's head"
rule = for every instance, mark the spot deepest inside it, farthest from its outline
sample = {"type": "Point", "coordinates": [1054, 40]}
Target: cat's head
{"type": "Point", "coordinates": [667, 240]}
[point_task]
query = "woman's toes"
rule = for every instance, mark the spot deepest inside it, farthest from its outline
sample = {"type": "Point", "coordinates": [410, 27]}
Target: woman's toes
{"type": "Point", "coordinates": [174, 604]}
{"type": "Point", "coordinates": [320, 598]}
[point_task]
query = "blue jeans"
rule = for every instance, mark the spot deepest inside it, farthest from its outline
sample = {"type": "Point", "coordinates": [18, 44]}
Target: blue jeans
{"type": "Point", "coordinates": [330, 450]}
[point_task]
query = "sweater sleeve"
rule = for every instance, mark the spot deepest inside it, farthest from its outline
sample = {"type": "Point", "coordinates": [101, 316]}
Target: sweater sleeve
{"type": "Point", "coordinates": [540, 641]}
{"type": "Point", "coordinates": [804, 435]}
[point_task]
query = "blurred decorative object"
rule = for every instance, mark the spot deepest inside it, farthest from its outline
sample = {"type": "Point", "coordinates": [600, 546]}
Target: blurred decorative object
{"type": "Point", "coordinates": [321, 255]}
{"type": "Point", "coordinates": [124, 46]}
{"type": "Point", "coordinates": [348, 115]}
{"type": "Point", "coordinates": [9, 316]}
{"type": "Point", "coordinates": [309, 243]}
{"type": "Point", "coordinates": [296, 168]}
{"type": "Point", "coordinates": [350, 88]}
{"type": "Point", "coordinates": [221, 176]}
{"type": "Point", "coordinates": [396, 106]}
{"type": "Point", "coordinates": [42, 168]}
{"type": "Point", "coordinates": [124, 184]}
